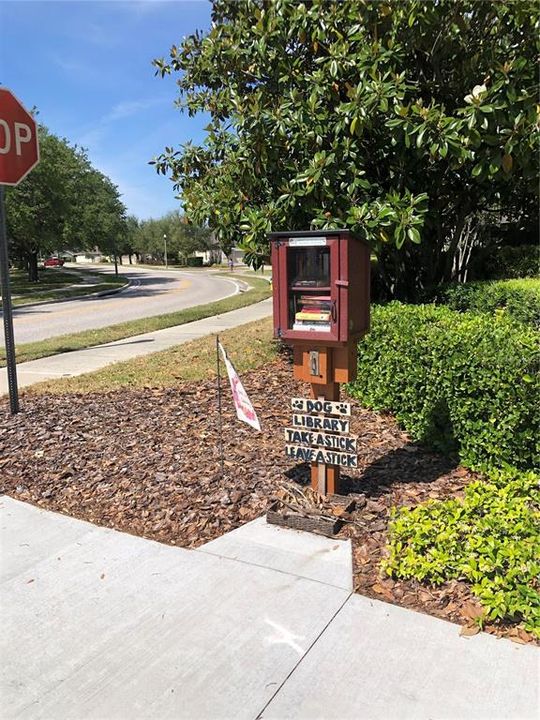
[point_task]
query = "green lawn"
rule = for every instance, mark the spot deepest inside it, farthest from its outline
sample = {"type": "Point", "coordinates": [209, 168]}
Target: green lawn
{"type": "Point", "coordinates": [56, 284]}
{"type": "Point", "coordinates": [250, 346]}
{"type": "Point", "coordinates": [260, 290]}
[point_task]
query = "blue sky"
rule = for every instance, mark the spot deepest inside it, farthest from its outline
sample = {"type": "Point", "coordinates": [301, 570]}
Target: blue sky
{"type": "Point", "coordinates": [87, 67]}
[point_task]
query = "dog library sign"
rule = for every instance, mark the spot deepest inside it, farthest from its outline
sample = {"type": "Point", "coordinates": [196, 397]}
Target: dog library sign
{"type": "Point", "coordinates": [316, 438]}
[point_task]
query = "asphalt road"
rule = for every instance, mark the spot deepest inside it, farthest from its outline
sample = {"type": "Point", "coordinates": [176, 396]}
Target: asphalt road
{"type": "Point", "coordinates": [152, 292]}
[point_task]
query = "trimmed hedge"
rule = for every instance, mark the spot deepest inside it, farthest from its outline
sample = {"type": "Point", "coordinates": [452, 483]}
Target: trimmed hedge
{"type": "Point", "coordinates": [456, 381]}
{"type": "Point", "coordinates": [490, 539]}
{"type": "Point", "coordinates": [518, 298]}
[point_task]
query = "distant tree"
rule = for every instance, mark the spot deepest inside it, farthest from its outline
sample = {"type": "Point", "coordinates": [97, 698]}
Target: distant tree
{"type": "Point", "coordinates": [101, 214]}
{"type": "Point", "coordinates": [64, 202]}
{"type": "Point", "coordinates": [128, 244]}
{"type": "Point", "coordinates": [186, 239]}
{"type": "Point", "coordinates": [36, 210]}
{"type": "Point", "coordinates": [150, 238]}
{"type": "Point", "coordinates": [182, 239]}
{"type": "Point", "coordinates": [411, 123]}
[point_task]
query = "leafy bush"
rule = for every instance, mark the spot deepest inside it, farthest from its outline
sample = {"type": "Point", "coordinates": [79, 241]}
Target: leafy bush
{"type": "Point", "coordinates": [457, 381]}
{"type": "Point", "coordinates": [521, 261]}
{"type": "Point", "coordinates": [490, 538]}
{"type": "Point", "coordinates": [519, 298]}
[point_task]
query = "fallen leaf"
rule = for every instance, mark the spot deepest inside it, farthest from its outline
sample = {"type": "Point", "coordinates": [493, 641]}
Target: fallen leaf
{"type": "Point", "coordinates": [469, 630]}
{"type": "Point", "coordinates": [471, 611]}
{"type": "Point", "coordinates": [517, 639]}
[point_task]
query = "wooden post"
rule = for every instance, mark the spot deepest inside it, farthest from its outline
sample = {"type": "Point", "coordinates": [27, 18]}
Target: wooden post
{"type": "Point", "coordinates": [325, 478]}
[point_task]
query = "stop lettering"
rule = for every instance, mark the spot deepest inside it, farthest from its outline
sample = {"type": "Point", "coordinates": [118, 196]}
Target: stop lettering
{"type": "Point", "coordinates": [19, 149]}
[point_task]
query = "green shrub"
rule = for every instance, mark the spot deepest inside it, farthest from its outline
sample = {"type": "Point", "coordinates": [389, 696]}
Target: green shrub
{"type": "Point", "coordinates": [490, 539]}
{"type": "Point", "coordinates": [521, 261]}
{"type": "Point", "coordinates": [194, 261]}
{"type": "Point", "coordinates": [518, 298]}
{"type": "Point", "coordinates": [457, 381]}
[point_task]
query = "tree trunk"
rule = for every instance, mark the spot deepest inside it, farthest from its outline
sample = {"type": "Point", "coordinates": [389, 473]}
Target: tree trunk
{"type": "Point", "coordinates": [32, 266]}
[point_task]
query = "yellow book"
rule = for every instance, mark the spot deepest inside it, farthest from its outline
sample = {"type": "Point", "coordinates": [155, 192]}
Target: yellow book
{"type": "Point", "coordinates": [314, 317]}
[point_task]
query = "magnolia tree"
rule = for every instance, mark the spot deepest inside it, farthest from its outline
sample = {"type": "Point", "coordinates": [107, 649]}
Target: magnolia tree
{"type": "Point", "coordinates": [408, 122]}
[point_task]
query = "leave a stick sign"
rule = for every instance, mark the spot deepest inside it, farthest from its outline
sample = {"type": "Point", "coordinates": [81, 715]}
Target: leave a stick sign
{"type": "Point", "coordinates": [326, 457]}
{"type": "Point", "coordinates": [320, 439]}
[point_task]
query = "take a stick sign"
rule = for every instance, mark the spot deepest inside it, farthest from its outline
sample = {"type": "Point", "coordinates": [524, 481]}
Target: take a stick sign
{"type": "Point", "coordinates": [317, 438]}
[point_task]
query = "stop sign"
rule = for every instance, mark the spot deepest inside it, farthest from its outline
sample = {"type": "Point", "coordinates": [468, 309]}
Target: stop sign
{"type": "Point", "coordinates": [19, 149]}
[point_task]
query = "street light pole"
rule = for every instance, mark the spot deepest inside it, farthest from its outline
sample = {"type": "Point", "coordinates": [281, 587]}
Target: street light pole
{"type": "Point", "coordinates": [165, 241]}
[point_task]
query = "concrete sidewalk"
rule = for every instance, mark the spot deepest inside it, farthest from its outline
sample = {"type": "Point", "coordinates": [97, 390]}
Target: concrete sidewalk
{"type": "Point", "coordinates": [260, 623]}
{"type": "Point", "coordinates": [94, 358]}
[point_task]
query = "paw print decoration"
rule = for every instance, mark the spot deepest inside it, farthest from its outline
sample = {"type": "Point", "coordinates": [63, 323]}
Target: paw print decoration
{"type": "Point", "coordinates": [320, 406]}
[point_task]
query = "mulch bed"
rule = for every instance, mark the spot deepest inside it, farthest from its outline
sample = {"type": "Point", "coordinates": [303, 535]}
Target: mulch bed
{"type": "Point", "coordinates": [147, 462]}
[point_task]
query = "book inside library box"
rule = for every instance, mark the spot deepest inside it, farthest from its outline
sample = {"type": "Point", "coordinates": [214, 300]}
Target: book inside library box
{"type": "Point", "coordinates": [310, 301]}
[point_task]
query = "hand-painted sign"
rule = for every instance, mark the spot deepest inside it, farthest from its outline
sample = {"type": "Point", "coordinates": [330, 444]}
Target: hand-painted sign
{"type": "Point", "coordinates": [322, 440]}
{"type": "Point", "coordinates": [242, 403]}
{"type": "Point", "coordinates": [316, 438]}
{"type": "Point", "coordinates": [326, 457]}
{"type": "Point", "coordinates": [321, 423]}
{"type": "Point", "coordinates": [327, 407]}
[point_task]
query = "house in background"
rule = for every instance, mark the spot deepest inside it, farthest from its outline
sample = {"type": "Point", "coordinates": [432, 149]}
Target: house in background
{"type": "Point", "coordinates": [215, 256]}
{"type": "Point", "coordinates": [82, 256]}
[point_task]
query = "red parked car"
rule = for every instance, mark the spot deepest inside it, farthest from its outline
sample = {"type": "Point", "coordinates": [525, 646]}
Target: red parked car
{"type": "Point", "coordinates": [53, 262]}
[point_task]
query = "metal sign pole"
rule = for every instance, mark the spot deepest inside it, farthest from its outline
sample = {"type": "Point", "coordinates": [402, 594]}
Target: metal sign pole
{"type": "Point", "coordinates": [7, 311]}
{"type": "Point", "coordinates": [220, 412]}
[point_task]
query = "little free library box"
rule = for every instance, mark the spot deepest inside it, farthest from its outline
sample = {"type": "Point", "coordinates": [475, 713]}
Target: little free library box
{"type": "Point", "coordinates": [321, 301]}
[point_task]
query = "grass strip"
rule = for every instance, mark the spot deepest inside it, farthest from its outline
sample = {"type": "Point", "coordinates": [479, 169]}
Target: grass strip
{"type": "Point", "coordinates": [58, 285]}
{"type": "Point", "coordinates": [64, 293]}
{"type": "Point", "coordinates": [249, 346]}
{"type": "Point", "coordinates": [51, 277]}
{"type": "Point", "coordinates": [260, 290]}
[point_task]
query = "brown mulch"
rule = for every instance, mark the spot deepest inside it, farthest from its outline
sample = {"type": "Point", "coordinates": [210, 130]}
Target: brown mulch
{"type": "Point", "coordinates": [147, 462]}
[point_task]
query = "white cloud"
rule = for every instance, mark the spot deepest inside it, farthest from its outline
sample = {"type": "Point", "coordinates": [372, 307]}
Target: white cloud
{"type": "Point", "coordinates": [132, 107]}
{"type": "Point", "coordinates": [93, 137]}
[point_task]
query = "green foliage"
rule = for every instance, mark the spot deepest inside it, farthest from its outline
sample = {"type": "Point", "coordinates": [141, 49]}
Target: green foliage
{"type": "Point", "coordinates": [182, 238]}
{"type": "Point", "coordinates": [490, 539]}
{"type": "Point", "coordinates": [194, 261]}
{"type": "Point", "coordinates": [522, 261]}
{"type": "Point", "coordinates": [460, 381]}
{"type": "Point", "coordinates": [519, 298]}
{"type": "Point", "coordinates": [63, 202]}
{"type": "Point", "coordinates": [401, 121]}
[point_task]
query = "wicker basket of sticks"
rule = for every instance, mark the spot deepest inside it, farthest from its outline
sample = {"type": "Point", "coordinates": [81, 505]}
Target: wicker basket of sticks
{"type": "Point", "coordinates": [301, 508]}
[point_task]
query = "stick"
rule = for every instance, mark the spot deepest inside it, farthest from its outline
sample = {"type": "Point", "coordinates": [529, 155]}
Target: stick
{"type": "Point", "coordinates": [220, 414]}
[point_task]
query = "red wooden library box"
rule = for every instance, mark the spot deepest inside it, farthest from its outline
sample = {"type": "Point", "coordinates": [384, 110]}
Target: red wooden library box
{"type": "Point", "coordinates": [320, 286]}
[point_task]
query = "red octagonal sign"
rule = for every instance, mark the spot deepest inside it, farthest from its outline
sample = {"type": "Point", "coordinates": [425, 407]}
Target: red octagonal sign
{"type": "Point", "coordinates": [19, 149]}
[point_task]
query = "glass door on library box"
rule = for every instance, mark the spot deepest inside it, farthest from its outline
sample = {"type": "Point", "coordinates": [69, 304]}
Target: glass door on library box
{"type": "Point", "coordinates": [306, 290]}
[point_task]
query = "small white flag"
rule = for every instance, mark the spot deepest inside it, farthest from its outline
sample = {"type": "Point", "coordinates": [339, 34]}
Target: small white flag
{"type": "Point", "coordinates": [242, 403]}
